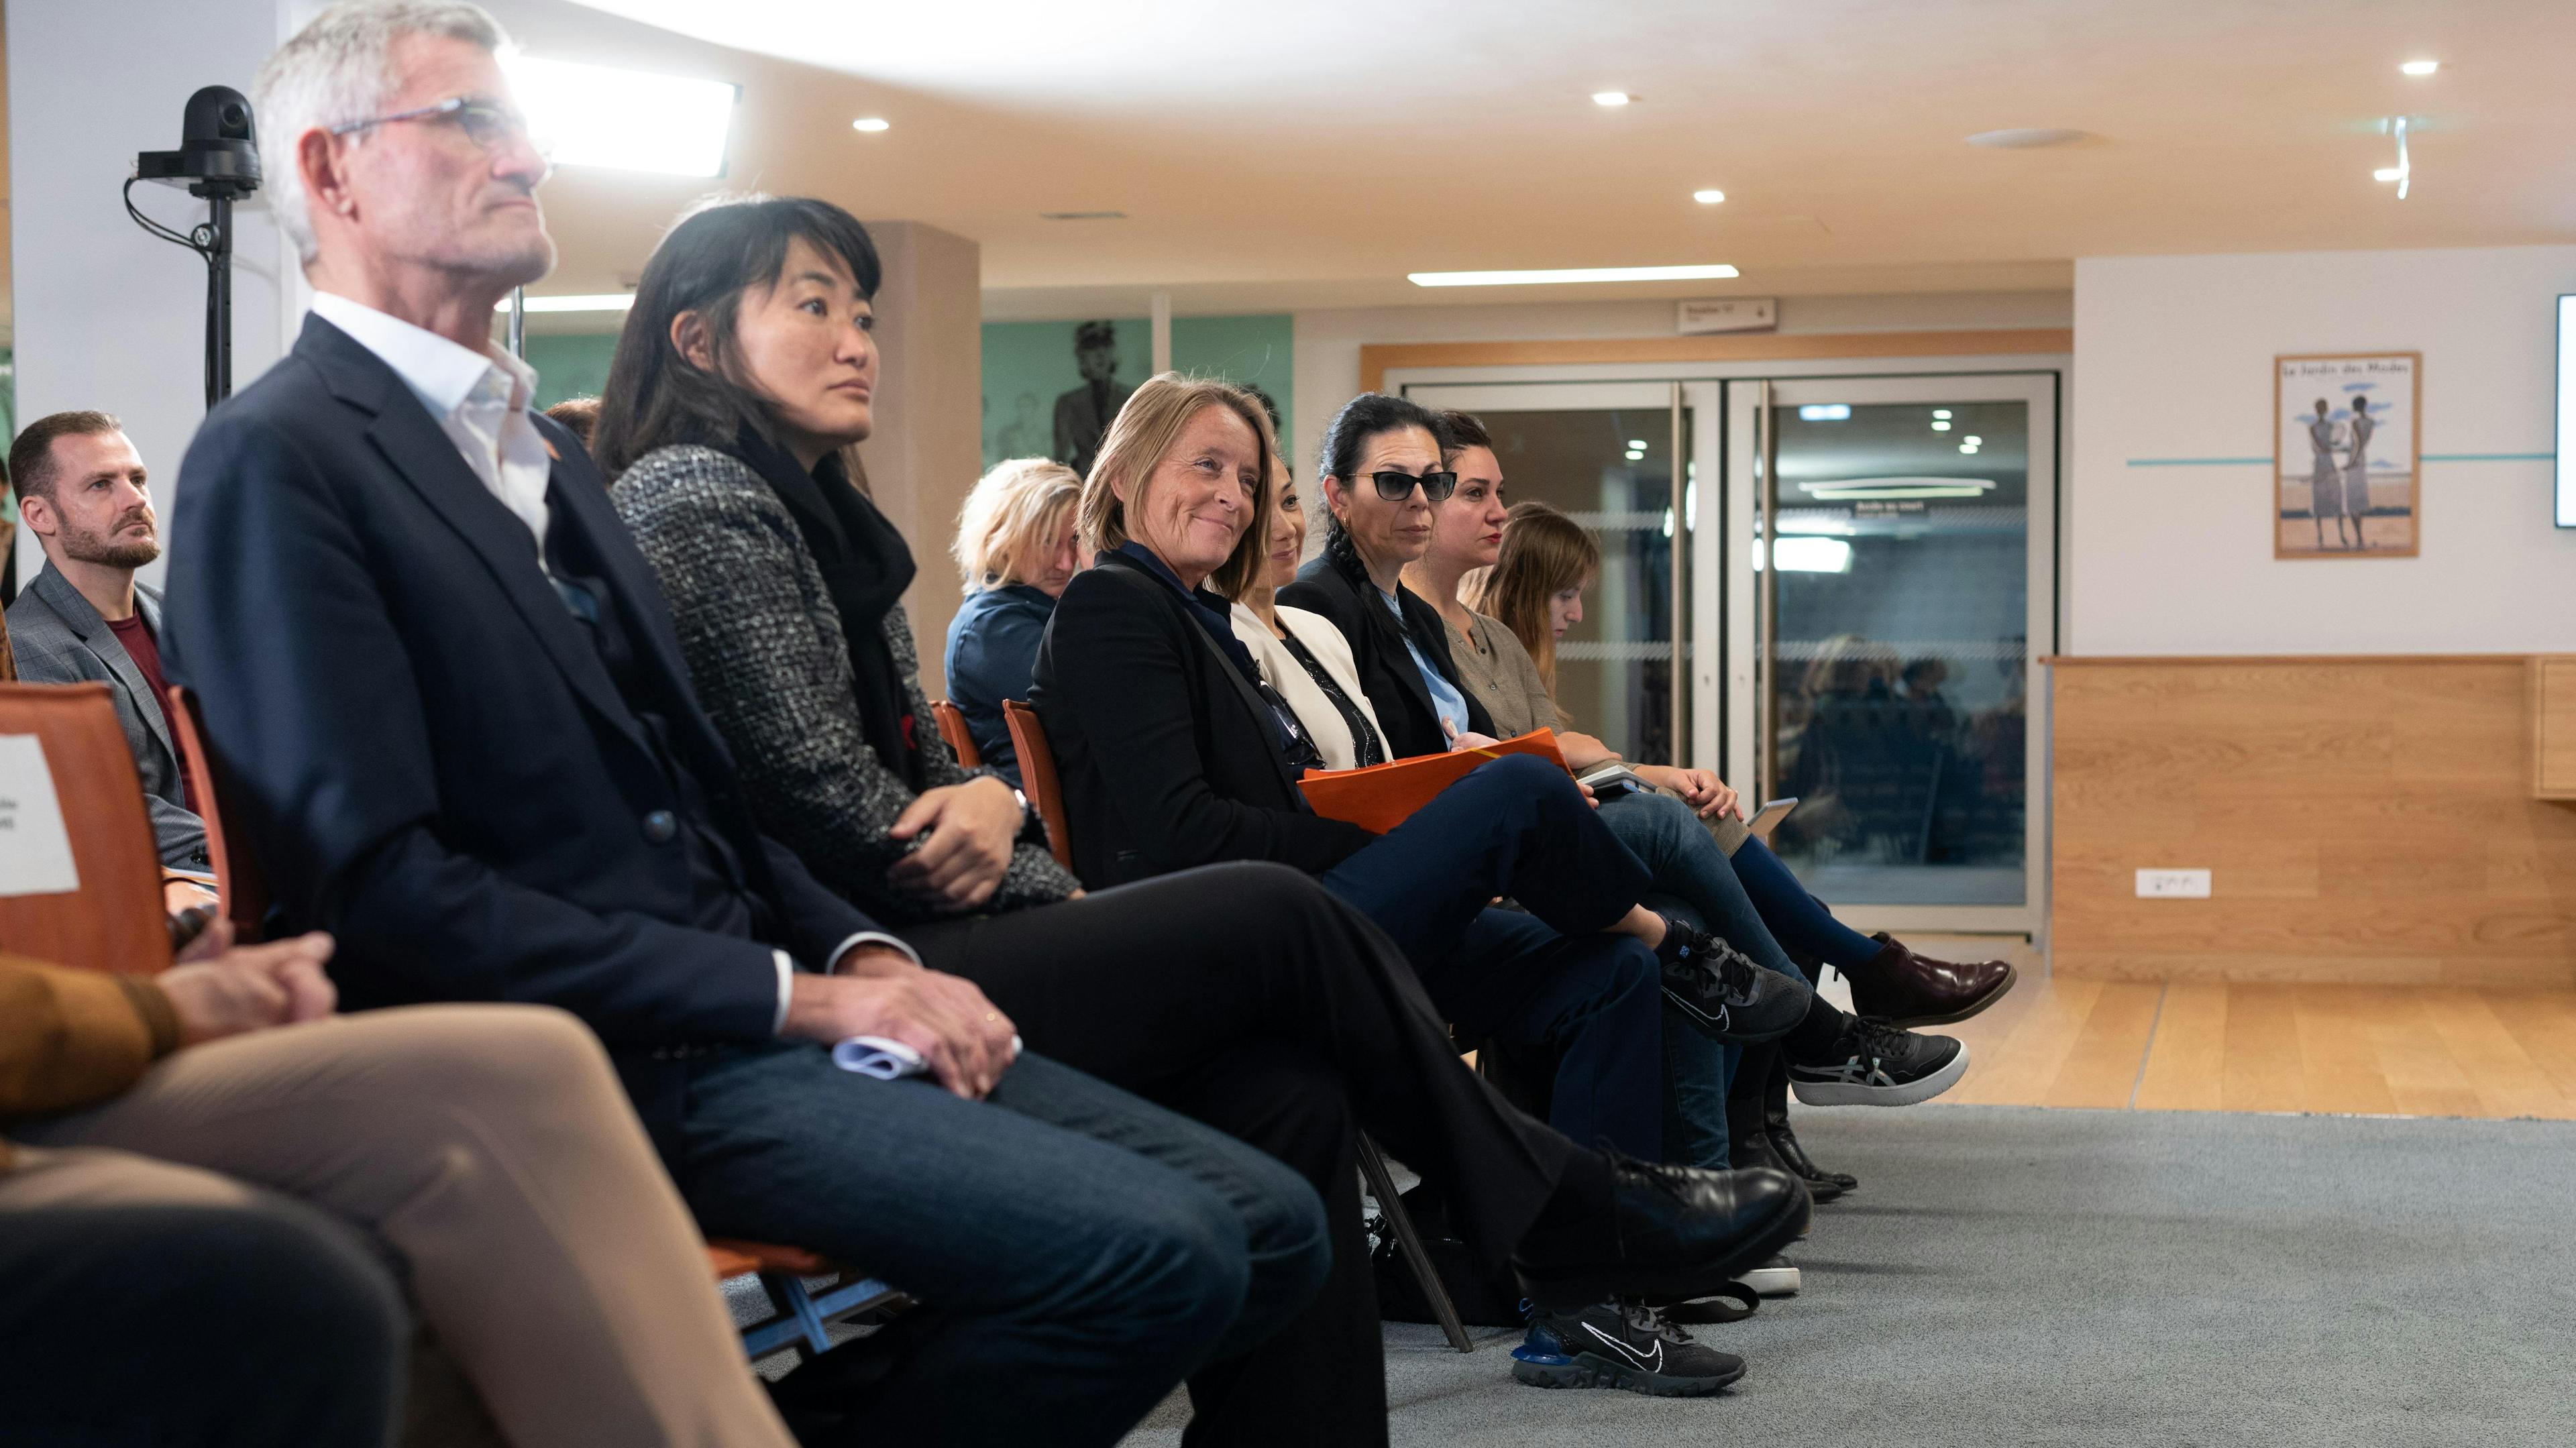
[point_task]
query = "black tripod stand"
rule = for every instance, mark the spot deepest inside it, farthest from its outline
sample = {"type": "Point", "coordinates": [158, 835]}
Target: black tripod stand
{"type": "Point", "coordinates": [218, 161]}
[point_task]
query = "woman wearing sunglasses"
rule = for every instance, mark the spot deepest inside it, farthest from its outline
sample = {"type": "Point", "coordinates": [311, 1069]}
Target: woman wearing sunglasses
{"type": "Point", "coordinates": [1383, 482]}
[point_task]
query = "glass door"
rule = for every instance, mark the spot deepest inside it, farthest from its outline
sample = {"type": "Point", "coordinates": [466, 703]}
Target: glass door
{"type": "Point", "coordinates": [1900, 541]}
{"type": "Point", "coordinates": [1605, 453]}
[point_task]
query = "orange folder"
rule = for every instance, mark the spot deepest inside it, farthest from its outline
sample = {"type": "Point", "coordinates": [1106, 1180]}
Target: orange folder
{"type": "Point", "coordinates": [1382, 796]}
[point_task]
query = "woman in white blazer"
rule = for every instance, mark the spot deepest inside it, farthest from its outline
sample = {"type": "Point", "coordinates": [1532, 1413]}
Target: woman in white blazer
{"type": "Point", "coordinates": [1302, 655]}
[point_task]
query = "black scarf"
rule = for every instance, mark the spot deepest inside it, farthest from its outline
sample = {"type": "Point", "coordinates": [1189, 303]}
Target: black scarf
{"type": "Point", "coordinates": [866, 566]}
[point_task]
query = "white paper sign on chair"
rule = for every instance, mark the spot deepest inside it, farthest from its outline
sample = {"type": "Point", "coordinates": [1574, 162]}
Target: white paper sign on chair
{"type": "Point", "coordinates": [35, 849]}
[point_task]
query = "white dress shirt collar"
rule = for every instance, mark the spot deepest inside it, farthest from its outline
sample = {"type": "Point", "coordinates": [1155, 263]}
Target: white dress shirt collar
{"type": "Point", "coordinates": [479, 399]}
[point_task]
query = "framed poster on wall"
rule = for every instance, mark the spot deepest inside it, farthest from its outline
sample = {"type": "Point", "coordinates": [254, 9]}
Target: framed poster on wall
{"type": "Point", "coordinates": [2347, 455]}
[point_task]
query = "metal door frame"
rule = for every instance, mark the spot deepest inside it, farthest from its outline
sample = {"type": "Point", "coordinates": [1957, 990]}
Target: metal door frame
{"type": "Point", "coordinates": [1746, 700]}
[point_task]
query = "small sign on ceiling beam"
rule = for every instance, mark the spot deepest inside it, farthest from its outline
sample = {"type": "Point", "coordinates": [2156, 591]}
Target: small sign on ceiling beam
{"type": "Point", "coordinates": [1729, 314]}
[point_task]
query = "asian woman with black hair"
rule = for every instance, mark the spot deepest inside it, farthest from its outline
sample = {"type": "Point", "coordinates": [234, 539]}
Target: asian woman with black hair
{"type": "Point", "coordinates": [1244, 995]}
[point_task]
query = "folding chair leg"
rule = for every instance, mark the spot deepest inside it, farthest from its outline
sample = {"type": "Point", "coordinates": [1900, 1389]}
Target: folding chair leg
{"type": "Point", "coordinates": [787, 1293]}
{"type": "Point", "coordinates": [1381, 1185]}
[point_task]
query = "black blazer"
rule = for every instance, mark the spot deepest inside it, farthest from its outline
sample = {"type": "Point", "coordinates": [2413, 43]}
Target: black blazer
{"type": "Point", "coordinates": [1386, 668]}
{"type": "Point", "coordinates": [1164, 751]}
{"type": "Point", "coordinates": [437, 767]}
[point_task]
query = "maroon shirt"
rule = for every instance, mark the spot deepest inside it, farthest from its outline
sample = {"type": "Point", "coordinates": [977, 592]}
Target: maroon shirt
{"type": "Point", "coordinates": [146, 653]}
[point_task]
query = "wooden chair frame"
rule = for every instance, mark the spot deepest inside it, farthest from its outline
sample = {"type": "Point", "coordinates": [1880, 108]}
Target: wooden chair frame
{"type": "Point", "coordinates": [952, 727]}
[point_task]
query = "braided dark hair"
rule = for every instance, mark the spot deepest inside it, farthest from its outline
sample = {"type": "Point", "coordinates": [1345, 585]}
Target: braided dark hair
{"type": "Point", "coordinates": [1368, 415]}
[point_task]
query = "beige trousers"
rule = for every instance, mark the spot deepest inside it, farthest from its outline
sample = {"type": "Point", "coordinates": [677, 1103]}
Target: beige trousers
{"type": "Point", "coordinates": [492, 1149]}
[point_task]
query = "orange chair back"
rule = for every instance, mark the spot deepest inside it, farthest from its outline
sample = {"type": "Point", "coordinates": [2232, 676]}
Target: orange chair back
{"type": "Point", "coordinates": [952, 727]}
{"type": "Point", "coordinates": [1037, 776]}
{"type": "Point", "coordinates": [240, 894]}
{"type": "Point", "coordinates": [114, 919]}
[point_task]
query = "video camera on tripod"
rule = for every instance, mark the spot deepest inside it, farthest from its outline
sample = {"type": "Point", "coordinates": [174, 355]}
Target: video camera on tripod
{"type": "Point", "coordinates": [218, 162]}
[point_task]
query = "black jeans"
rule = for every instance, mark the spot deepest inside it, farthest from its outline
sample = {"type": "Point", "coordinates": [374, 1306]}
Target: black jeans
{"type": "Point", "coordinates": [1246, 996]}
{"type": "Point", "coordinates": [1084, 1250]}
{"type": "Point", "coordinates": [1592, 1003]}
{"type": "Point", "coordinates": [195, 1325]}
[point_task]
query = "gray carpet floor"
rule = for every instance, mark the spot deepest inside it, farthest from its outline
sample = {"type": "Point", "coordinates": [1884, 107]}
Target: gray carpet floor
{"type": "Point", "coordinates": [2010, 1275]}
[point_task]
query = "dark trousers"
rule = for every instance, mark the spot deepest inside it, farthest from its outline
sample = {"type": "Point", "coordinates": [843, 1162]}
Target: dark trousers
{"type": "Point", "coordinates": [1797, 918]}
{"type": "Point", "coordinates": [194, 1324]}
{"type": "Point", "coordinates": [1246, 996]}
{"type": "Point", "coordinates": [1084, 1250]}
{"type": "Point", "coordinates": [1547, 979]}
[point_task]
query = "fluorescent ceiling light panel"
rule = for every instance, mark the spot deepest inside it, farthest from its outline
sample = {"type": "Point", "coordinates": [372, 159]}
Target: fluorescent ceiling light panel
{"type": "Point", "coordinates": [625, 120]}
{"type": "Point", "coordinates": [871, 123]}
{"type": "Point", "coordinates": [1611, 98]}
{"type": "Point", "coordinates": [1807, 555]}
{"type": "Point", "coordinates": [1572, 274]}
{"type": "Point", "coordinates": [1710, 197]}
{"type": "Point", "coordinates": [2420, 67]}
{"type": "Point", "coordinates": [568, 302]}
{"type": "Point", "coordinates": [1825, 412]}
{"type": "Point", "coordinates": [1847, 490]}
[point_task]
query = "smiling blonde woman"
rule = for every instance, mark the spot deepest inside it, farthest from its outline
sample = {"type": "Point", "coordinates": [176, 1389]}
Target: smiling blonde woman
{"type": "Point", "coordinates": [1017, 547]}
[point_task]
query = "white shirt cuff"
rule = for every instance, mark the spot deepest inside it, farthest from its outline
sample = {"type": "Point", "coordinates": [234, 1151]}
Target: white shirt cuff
{"type": "Point", "coordinates": [787, 967]}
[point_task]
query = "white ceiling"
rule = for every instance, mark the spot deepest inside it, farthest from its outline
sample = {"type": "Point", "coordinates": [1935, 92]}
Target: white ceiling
{"type": "Point", "coordinates": [1310, 154]}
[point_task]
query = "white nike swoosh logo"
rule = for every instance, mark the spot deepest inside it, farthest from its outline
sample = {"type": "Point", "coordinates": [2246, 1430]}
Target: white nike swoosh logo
{"type": "Point", "coordinates": [1653, 1364]}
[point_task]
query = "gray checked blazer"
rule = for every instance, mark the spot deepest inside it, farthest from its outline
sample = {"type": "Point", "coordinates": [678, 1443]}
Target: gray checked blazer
{"type": "Point", "coordinates": [772, 668]}
{"type": "Point", "coordinates": [60, 639]}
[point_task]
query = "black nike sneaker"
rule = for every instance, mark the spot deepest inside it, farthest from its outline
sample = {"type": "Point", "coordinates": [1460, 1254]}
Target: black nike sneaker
{"type": "Point", "coordinates": [1878, 1065]}
{"type": "Point", "coordinates": [1620, 1345]}
{"type": "Point", "coordinates": [1725, 994]}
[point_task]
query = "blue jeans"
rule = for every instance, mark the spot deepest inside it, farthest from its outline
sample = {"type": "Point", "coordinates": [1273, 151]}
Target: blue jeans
{"type": "Point", "coordinates": [1549, 978]}
{"type": "Point", "coordinates": [1089, 1249]}
{"type": "Point", "coordinates": [1797, 919]}
{"type": "Point", "coordinates": [1690, 872]}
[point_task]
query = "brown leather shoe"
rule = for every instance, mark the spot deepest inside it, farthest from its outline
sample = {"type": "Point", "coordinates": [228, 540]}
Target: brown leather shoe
{"type": "Point", "coordinates": [1909, 990]}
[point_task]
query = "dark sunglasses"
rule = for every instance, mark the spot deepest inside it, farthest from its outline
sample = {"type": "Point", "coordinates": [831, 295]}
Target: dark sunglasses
{"type": "Point", "coordinates": [1396, 486]}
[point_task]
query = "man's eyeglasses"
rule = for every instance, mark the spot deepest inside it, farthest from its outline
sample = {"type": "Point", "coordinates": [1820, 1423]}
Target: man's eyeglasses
{"type": "Point", "coordinates": [487, 125]}
{"type": "Point", "coordinates": [1396, 486]}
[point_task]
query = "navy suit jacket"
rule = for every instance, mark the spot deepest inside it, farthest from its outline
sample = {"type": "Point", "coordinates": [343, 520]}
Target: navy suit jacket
{"type": "Point", "coordinates": [437, 766]}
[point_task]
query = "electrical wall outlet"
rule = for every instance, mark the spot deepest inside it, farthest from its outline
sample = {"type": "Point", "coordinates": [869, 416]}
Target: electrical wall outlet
{"type": "Point", "coordinates": [2173, 884]}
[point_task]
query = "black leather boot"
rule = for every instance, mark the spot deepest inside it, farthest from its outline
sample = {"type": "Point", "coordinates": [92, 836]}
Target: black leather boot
{"type": "Point", "coordinates": [1785, 1148]}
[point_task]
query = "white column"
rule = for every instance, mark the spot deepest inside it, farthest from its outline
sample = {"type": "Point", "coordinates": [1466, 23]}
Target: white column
{"type": "Point", "coordinates": [1162, 332]}
{"type": "Point", "coordinates": [106, 316]}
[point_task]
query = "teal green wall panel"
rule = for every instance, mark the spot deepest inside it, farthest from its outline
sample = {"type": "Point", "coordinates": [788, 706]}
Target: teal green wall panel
{"type": "Point", "coordinates": [1027, 365]}
{"type": "Point", "coordinates": [570, 365]}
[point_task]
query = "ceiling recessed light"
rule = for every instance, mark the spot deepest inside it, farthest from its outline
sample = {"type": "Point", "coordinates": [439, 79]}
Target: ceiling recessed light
{"type": "Point", "coordinates": [869, 123]}
{"type": "Point", "coordinates": [1611, 98]}
{"type": "Point", "coordinates": [2420, 67]}
{"type": "Point", "coordinates": [1709, 197]}
{"type": "Point", "coordinates": [1942, 413]}
{"type": "Point", "coordinates": [1717, 272]}
{"type": "Point", "coordinates": [2386, 173]}
{"type": "Point", "coordinates": [2026, 138]}
{"type": "Point", "coordinates": [1825, 412]}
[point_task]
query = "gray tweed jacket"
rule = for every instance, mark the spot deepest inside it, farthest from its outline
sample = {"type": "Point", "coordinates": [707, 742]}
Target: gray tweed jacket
{"type": "Point", "coordinates": [60, 639]}
{"type": "Point", "coordinates": [772, 668]}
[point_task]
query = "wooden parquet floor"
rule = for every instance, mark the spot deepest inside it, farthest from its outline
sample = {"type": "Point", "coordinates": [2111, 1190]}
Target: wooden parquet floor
{"type": "Point", "coordinates": [2212, 1046]}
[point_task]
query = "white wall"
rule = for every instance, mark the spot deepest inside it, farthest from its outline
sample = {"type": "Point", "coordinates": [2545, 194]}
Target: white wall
{"type": "Point", "coordinates": [1328, 342]}
{"type": "Point", "coordinates": [2173, 359]}
{"type": "Point", "coordinates": [106, 316]}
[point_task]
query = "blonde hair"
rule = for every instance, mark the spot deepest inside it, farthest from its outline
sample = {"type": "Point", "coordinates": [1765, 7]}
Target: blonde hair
{"type": "Point", "coordinates": [1544, 553]}
{"type": "Point", "coordinates": [1144, 434]}
{"type": "Point", "coordinates": [1011, 518]}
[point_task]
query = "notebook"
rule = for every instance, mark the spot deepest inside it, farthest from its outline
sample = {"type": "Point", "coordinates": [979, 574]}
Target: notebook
{"type": "Point", "coordinates": [1382, 796]}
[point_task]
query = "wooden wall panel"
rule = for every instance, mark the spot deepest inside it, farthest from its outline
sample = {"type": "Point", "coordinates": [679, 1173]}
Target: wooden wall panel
{"type": "Point", "coordinates": [2364, 820]}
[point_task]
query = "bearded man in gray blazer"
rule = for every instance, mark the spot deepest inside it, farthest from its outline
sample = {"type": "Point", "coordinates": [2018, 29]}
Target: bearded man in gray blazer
{"type": "Point", "coordinates": [84, 619]}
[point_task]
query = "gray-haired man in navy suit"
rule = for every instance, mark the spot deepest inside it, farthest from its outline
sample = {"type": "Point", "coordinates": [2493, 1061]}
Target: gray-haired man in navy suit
{"type": "Point", "coordinates": [453, 697]}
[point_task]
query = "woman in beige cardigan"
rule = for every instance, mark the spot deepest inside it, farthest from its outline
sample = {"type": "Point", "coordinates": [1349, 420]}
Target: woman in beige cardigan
{"type": "Point", "coordinates": [1301, 654]}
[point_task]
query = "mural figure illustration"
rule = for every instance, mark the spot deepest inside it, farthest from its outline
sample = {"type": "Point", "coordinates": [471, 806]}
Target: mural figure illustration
{"type": "Point", "coordinates": [2356, 468]}
{"type": "Point", "coordinates": [2325, 480]}
{"type": "Point", "coordinates": [1021, 437]}
{"type": "Point", "coordinates": [1083, 414]}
